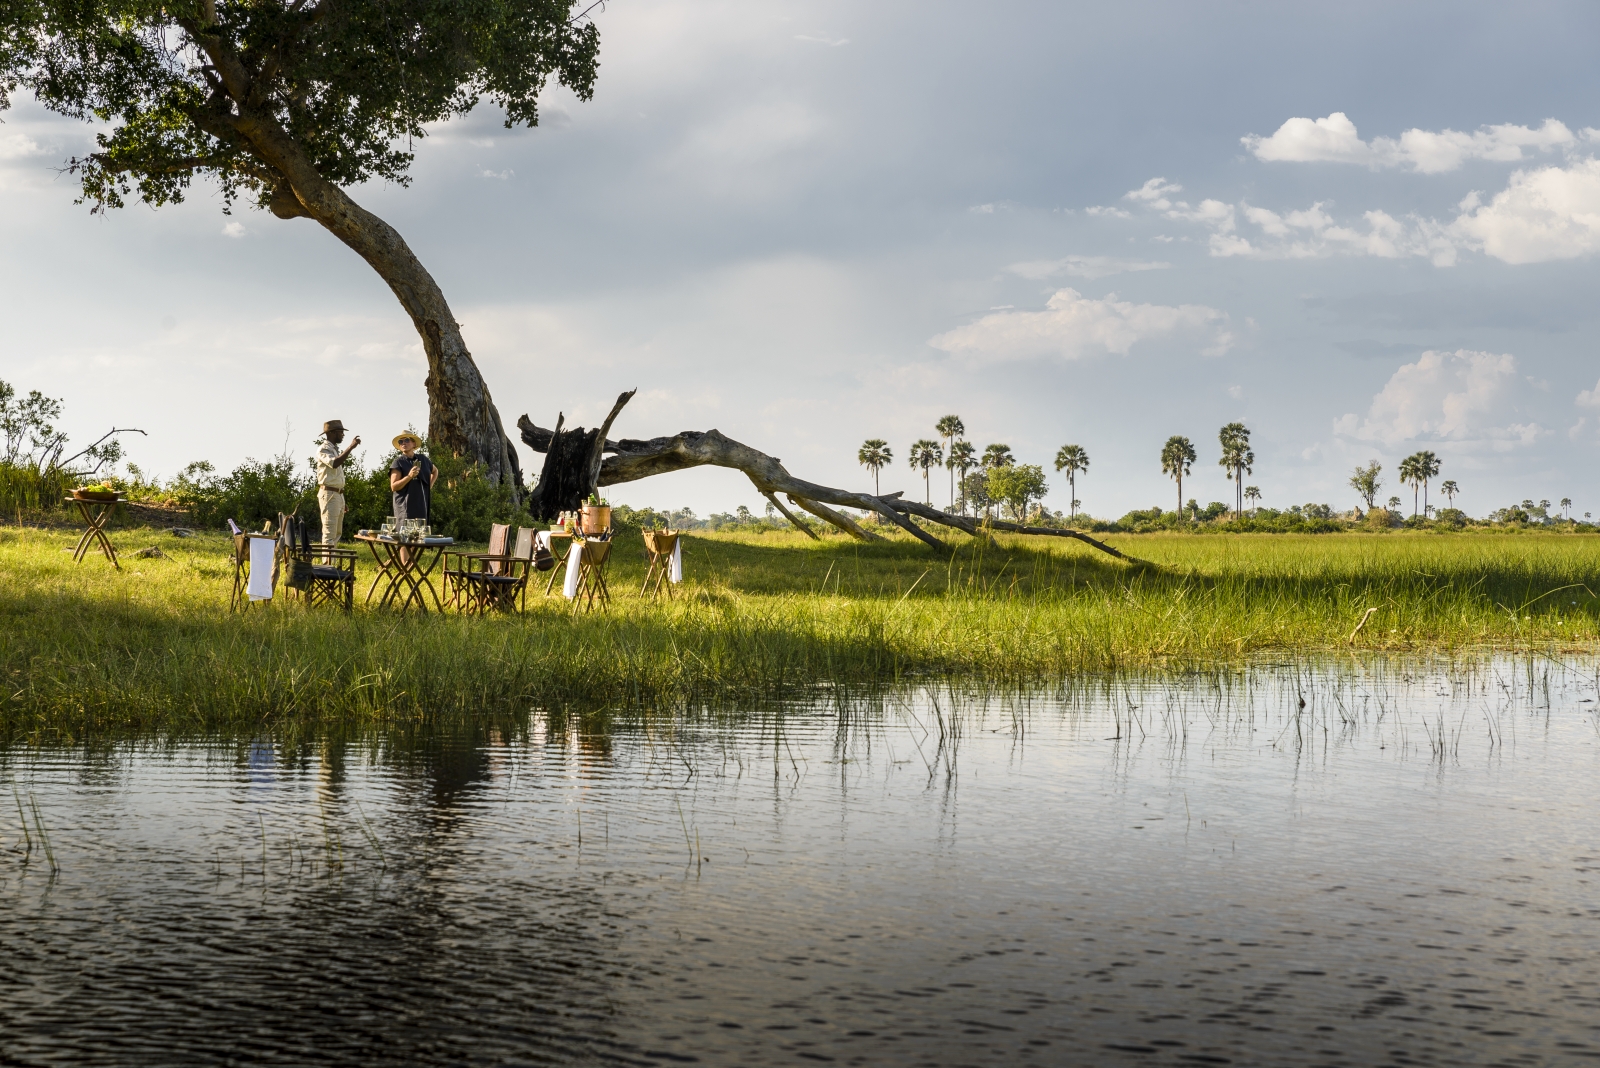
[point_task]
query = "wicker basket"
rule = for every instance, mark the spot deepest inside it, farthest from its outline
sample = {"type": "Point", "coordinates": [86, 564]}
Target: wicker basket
{"type": "Point", "coordinates": [104, 495]}
{"type": "Point", "coordinates": [661, 542]}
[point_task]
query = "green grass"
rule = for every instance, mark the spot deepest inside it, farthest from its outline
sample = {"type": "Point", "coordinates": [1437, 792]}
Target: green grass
{"type": "Point", "coordinates": [86, 649]}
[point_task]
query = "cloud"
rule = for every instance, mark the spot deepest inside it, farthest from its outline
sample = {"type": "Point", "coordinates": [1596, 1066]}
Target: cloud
{"type": "Point", "coordinates": [19, 146]}
{"type": "Point", "coordinates": [1312, 233]}
{"type": "Point", "coordinates": [234, 229]}
{"type": "Point", "coordinates": [1073, 326]}
{"type": "Point", "coordinates": [1552, 213]}
{"type": "Point", "coordinates": [1465, 397]}
{"type": "Point", "coordinates": [1334, 140]}
{"type": "Point", "coordinates": [1589, 398]}
{"type": "Point", "coordinates": [1083, 267]}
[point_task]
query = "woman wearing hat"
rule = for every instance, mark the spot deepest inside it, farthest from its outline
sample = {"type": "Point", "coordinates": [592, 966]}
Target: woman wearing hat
{"type": "Point", "coordinates": [411, 477]}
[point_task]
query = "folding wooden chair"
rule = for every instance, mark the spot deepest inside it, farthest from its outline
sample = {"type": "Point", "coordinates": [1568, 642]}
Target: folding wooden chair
{"type": "Point", "coordinates": [323, 574]}
{"type": "Point", "coordinates": [498, 580]}
{"type": "Point", "coordinates": [458, 563]}
{"type": "Point", "coordinates": [659, 544]}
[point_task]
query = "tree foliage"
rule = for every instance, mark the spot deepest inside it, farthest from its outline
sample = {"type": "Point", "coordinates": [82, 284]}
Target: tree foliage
{"type": "Point", "coordinates": [229, 89]}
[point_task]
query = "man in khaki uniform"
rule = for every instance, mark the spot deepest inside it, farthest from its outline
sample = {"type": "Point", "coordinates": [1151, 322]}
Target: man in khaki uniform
{"type": "Point", "coordinates": [330, 479]}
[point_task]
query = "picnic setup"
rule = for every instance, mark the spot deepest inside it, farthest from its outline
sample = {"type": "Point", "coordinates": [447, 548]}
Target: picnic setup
{"type": "Point", "coordinates": [410, 567]}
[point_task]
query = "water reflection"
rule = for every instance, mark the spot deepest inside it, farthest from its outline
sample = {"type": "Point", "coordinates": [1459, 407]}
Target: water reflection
{"type": "Point", "coordinates": [1369, 864]}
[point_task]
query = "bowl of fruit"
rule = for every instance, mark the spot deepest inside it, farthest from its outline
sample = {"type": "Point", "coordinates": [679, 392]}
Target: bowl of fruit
{"type": "Point", "coordinates": [105, 491]}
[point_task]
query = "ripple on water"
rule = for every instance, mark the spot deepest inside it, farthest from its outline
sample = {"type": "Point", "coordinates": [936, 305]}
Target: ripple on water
{"type": "Point", "coordinates": [1178, 874]}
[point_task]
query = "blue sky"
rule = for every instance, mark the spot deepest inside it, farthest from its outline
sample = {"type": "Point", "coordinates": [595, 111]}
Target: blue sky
{"type": "Point", "coordinates": [1361, 230]}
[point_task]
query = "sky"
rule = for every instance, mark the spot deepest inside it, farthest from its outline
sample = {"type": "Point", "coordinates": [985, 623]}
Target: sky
{"type": "Point", "coordinates": [1360, 229]}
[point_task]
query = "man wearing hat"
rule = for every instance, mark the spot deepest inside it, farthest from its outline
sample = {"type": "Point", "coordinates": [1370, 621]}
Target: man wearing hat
{"type": "Point", "coordinates": [330, 479]}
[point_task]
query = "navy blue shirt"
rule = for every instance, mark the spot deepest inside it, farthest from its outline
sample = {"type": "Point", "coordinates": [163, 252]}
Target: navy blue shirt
{"type": "Point", "coordinates": [411, 502]}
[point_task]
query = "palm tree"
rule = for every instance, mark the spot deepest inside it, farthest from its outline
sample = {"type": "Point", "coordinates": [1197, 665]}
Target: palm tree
{"type": "Point", "coordinates": [875, 455]}
{"type": "Point", "coordinates": [1412, 475]}
{"type": "Point", "coordinates": [1428, 468]}
{"type": "Point", "coordinates": [950, 427]}
{"type": "Point", "coordinates": [997, 456]}
{"type": "Point", "coordinates": [1237, 458]}
{"type": "Point", "coordinates": [1449, 488]}
{"type": "Point", "coordinates": [1566, 507]}
{"type": "Point", "coordinates": [1394, 503]}
{"type": "Point", "coordinates": [1177, 455]}
{"type": "Point", "coordinates": [925, 454]}
{"type": "Point", "coordinates": [1072, 459]}
{"type": "Point", "coordinates": [1252, 494]}
{"type": "Point", "coordinates": [961, 457]}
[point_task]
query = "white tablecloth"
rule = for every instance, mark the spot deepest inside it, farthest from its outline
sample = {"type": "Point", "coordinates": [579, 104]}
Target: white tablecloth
{"type": "Point", "coordinates": [569, 589]}
{"type": "Point", "coordinates": [262, 554]}
{"type": "Point", "coordinates": [675, 571]}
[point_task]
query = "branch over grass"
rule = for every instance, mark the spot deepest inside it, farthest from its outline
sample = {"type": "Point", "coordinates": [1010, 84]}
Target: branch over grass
{"type": "Point", "coordinates": [632, 459]}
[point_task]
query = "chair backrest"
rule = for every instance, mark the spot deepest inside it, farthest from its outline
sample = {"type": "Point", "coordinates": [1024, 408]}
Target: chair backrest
{"type": "Point", "coordinates": [524, 549]}
{"type": "Point", "coordinates": [498, 536]}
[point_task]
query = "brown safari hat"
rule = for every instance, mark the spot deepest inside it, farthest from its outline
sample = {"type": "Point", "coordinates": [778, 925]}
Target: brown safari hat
{"type": "Point", "coordinates": [407, 436]}
{"type": "Point", "coordinates": [332, 424]}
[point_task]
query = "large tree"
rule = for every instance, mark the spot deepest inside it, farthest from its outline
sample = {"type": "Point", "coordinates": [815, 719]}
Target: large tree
{"type": "Point", "coordinates": [286, 103]}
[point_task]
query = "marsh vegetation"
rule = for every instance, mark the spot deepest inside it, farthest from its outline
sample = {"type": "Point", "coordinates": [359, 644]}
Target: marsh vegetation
{"type": "Point", "coordinates": [84, 648]}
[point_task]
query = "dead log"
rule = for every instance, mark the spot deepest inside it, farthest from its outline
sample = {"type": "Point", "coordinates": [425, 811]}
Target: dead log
{"type": "Point", "coordinates": [631, 459]}
{"type": "Point", "coordinates": [572, 460]}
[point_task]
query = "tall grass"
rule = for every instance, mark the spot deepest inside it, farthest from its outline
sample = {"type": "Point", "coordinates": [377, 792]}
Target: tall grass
{"type": "Point", "coordinates": [86, 649]}
{"type": "Point", "coordinates": [26, 488]}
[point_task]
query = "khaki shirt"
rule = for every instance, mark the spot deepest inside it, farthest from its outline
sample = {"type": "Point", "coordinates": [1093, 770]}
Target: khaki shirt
{"type": "Point", "coordinates": [329, 477]}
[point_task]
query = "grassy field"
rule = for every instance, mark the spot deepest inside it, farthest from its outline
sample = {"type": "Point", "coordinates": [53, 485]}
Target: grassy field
{"type": "Point", "coordinates": [85, 649]}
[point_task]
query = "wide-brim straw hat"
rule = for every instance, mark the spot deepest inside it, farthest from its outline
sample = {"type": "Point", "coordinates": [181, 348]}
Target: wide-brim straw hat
{"type": "Point", "coordinates": [407, 436]}
{"type": "Point", "coordinates": [332, 424]}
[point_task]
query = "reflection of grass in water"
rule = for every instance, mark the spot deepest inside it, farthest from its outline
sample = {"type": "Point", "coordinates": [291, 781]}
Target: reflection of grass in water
{"type": "Point", "coordinates": [84, 648]}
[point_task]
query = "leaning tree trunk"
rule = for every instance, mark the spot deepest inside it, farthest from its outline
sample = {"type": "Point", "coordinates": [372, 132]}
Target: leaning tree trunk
{"type": "Point", "coordinates": [575, 465]}
{"type": "Point", "coordinates": [461, 415]}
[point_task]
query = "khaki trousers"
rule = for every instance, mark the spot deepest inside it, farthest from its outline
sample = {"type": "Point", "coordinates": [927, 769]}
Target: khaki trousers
{"type": "Point", "coordinates": [332, 505]}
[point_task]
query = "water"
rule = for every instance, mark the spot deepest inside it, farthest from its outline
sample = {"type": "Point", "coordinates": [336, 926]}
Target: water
{"type": "Point", "coordinates": [1402, 872]}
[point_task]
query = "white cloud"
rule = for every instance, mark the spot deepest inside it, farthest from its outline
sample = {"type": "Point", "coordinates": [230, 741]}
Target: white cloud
{"type": "Point", "coordinates": [1101, 209]}
{"type": "Point", "coordinates": [1072, 326]}
{"type": "Point", "coordinates": [1083, 267]}
{"type": "Point", "coordinates": [1589, 398]}
{"type": "Point", "coordinates": [19, 146]}
{"type": "Point", "coordinates": [484, 172]}
{"type": "Point", "coordinates": [1548, 214]}
{"type": "Point", "coordinates": [1465, 397]}
{"type": "Point", "coordinates": [1334, 140]}
{"type": "Point", "coordinates": [982, 209]}
{"type": "Point", "coordinates": [234, 229]}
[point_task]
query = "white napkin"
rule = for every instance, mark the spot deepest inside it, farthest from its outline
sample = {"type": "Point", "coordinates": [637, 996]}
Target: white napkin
{"type": "Point", "coordinates": [675, 569]}
{"type": "Point", "coordinates": [569, 588]}
{"type": "Point", "coordinates": [263, 555]}
{"type": "Point", "coordinates": [541, 540]}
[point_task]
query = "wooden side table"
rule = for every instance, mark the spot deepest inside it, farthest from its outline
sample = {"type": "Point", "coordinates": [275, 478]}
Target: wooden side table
{"type": "Point", "coordinates": [95, 513]}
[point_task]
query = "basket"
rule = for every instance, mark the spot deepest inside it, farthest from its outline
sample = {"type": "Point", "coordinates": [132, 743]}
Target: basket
{"type": "Point", "coordinates": [660, 542]}
{"type": "Point", "coordinates": [95, 494]}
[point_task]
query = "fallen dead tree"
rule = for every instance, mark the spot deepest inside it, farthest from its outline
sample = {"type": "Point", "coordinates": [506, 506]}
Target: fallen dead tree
{"type": "Point", "coordinates": [578, 461]}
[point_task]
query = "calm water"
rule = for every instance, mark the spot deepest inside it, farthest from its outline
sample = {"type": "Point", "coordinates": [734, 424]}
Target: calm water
{"type": "Point", "coordinates": [1405, 871]}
